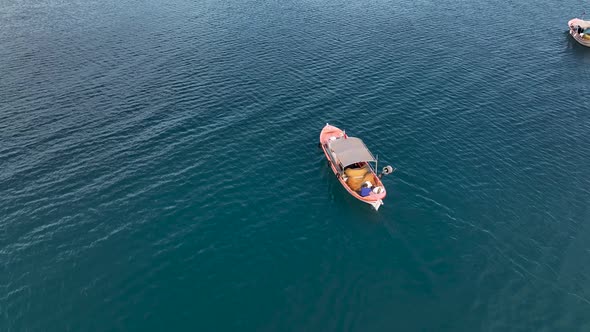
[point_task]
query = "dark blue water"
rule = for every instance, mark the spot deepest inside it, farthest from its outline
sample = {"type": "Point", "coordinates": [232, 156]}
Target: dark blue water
{"type": "Point", "coordinates": [159, 168]}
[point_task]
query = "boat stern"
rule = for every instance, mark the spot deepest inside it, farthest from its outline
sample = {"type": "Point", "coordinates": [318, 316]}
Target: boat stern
{"type": "Point", "coordinates": [376, 204]}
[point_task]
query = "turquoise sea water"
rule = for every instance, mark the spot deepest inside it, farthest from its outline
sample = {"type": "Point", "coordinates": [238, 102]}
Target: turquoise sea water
{"type": "Point", "coordinates": [159, 168]}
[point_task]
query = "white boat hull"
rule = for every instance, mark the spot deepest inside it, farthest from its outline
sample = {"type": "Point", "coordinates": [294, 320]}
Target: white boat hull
{"type": "Point", "coordinates": [580, 39]}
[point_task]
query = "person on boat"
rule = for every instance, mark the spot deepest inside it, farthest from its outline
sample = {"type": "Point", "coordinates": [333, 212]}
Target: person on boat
{"type": "Point", "coordinates": [580, 30]}
{"type": "Point", "coordinates": [366, 189]}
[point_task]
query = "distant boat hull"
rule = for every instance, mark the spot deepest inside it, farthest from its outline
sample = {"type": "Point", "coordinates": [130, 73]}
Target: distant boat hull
{"type": "Point", "coordinates": [374, 199]}
{"type": "Point", "coordinates": [584, 38]}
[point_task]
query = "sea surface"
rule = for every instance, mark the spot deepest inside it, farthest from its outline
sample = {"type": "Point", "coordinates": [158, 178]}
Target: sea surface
{"type": "Point", "coordinates": [159, 167]}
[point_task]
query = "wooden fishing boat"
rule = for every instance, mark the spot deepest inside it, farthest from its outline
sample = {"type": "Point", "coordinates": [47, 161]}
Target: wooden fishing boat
{"type": "Point", "coordinates": [580, 30]}
{"type": "Point", "coordinates": [350, 161]}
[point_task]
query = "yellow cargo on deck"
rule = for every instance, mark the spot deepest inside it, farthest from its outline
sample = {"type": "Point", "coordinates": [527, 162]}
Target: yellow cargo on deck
{"type": "Point", "coordinates": [356, 177]}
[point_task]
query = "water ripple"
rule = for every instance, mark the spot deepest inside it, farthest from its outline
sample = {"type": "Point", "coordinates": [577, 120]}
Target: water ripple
{"type": "Point", "coordinates": [160, 165]}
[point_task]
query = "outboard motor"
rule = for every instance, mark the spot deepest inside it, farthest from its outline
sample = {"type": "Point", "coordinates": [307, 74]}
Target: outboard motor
{"type": "Point", "coordinates": [386, 171]}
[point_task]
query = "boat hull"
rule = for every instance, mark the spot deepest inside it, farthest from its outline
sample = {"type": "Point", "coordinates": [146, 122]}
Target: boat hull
{"type": "Point", "coordinates": [578, 37]}
{"type": "Point", "coordinates": [375, 200]}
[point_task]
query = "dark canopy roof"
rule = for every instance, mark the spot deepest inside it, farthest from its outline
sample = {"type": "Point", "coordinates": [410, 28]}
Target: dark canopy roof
{"type": "Point", "coordinates": [350, 150]}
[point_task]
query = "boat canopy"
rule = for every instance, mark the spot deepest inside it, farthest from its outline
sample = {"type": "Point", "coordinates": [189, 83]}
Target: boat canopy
{"type": "Point", "coordinates": [350, 150]}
